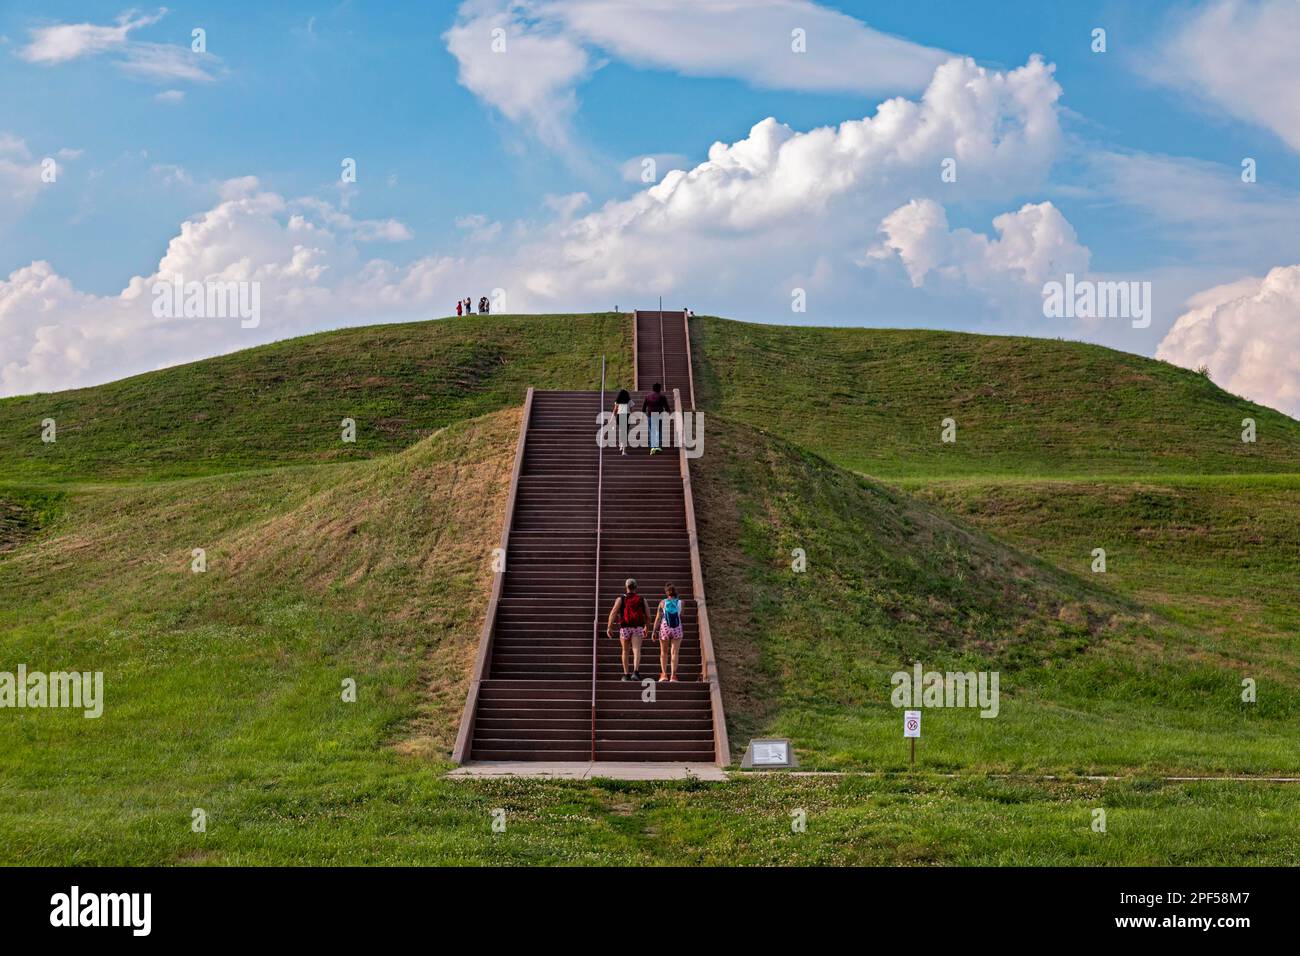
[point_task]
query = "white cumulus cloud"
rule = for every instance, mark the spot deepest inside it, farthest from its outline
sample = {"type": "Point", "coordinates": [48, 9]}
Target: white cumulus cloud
{"type": "Point", "coordinates": [1034, 244]}
{"type": "Point", "coordinates": [302, 253]}
{"type": "Point", "coordinates": [525, 67]}
{"type": "Point", "coordinates": [776, 210]}
{"type": "Point", "coordinates": [776, 202]}
{"type": "Point", "coordinates": [1248, 334]}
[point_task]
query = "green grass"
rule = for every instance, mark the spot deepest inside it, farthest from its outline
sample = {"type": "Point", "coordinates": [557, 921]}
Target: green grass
{"type": "Point", "coordinates": [1218, 553]}
{"type": "Point", "coordinates": [371, 561]}
{"type": "Point", "coordinates": [873, 400]}
{"type": "Point", "coordinates": [1061, 448]}
{"type": "Point", "coordinates": [1091, 680]}
{"type": "Point", "coordinates": [284, 403]}
{"type": "Point", "coordinates": [24, 512]}
{"type": "Point", "coordinates": [230, 681]}
{"type": "Point", "coordinates": [386, 810]}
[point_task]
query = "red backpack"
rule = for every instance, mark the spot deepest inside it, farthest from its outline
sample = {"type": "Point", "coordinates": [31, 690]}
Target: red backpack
{"type": "Point", "coordinates": [633, 610]}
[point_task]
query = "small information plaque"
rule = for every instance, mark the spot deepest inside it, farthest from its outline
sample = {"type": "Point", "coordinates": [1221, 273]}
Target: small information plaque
{"type": "Point", "coordinates": [766, 753]}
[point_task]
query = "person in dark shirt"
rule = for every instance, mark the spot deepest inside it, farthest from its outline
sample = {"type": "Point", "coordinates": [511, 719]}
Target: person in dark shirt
{"type": "Point", "coordinates": [656, 405]}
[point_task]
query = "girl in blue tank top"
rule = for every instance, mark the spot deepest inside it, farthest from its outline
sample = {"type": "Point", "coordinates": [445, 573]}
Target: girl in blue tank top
{"type": "Point", "coordinates": [667, 631]}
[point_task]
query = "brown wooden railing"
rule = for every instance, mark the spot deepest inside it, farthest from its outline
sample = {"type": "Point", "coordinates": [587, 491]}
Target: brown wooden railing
{"type": "Point", "coordinates": [466, 731]}
{"type": "Point", "coordinates": [690, 371]}
{"type": "Point", "coordinates": [663, 353]}
{"type": "Point", "coordinates": [595, 620]}
{"type": "Point", "coordinates": [708, 660]}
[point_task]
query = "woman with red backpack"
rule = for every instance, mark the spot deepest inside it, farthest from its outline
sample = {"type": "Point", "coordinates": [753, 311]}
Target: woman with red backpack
{"type": "Point", "coordinates": [629, 612]}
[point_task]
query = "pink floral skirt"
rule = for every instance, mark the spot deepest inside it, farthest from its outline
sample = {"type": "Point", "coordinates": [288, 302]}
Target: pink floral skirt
{"type": "Point", "coordinates": [667, 633]}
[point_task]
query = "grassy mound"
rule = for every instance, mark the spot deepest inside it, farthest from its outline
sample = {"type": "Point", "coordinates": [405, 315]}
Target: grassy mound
{"type": "Point", "coordinates": [1090, 680]}
{"type": "Point", "coordinates": [370, 561]}
{"type": "Point", "coordinates": [1217, 554]}
{"type": "Point", "coordinates": [225, 686]}
{"type": "Point", "coordinates": [873, 400]}
{"type": "Point", "coordinates": [284, 403]}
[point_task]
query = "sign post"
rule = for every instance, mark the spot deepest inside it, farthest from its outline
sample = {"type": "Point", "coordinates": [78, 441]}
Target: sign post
{"type": "Point", "coordinates": [912, 729]}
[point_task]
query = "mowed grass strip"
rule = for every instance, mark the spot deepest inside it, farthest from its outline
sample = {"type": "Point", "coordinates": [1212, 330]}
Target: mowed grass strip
{"type": "Point", "coordinates": [383, 810]}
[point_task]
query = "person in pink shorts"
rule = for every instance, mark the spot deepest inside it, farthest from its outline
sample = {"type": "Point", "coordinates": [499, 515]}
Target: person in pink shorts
{"type": "Point", "coordinates": [667, 631]}
{"type": "Point", "coordinates": [629, 612]}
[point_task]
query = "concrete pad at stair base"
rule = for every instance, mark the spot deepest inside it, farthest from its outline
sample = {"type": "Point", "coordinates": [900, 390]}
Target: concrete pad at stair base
{"type": "Point", "coordinates": [587, 770]}
{"type": "Point", "coordinates": [636, 770]}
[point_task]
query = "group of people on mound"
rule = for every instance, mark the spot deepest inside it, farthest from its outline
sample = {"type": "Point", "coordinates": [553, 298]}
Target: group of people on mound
{"type": "Point", "coordinates": [629, 614]}
{"type": "Point", "coordinates": [463, 306]}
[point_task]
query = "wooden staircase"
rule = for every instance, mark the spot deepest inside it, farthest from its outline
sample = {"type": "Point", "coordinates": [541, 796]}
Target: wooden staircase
{"type": "Point", "coordinates": [580, 520]}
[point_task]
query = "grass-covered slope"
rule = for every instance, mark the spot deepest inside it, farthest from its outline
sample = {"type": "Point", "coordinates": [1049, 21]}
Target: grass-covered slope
{"type": "Point", "coordinates": [1218, 553]}
{"type": "Point", "coordinates": [284, 403]}
{"type": "Point", "coordinates": [370, 561]}
{"type": "Point", "coordinates": [223, 688]}
{"type": "Point", "coordinates": [873, 400]}
{"type": "Point", "coordinates": [1091, 680]}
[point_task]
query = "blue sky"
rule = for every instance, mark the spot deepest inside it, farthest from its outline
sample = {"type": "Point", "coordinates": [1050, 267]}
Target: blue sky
{"type": "Point", "coordinates": [459, 176]}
